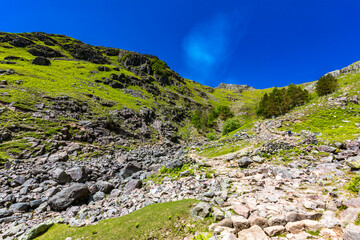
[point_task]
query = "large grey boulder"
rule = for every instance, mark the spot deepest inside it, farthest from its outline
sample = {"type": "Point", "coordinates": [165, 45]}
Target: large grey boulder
{"type": "Point", "coordinates": [130, 169]}
{"type": "Point", "coordinates": [77, 174]}
{"type": "Point", "coordinates": [74, 193]}
{"type": "Point", "coordinates": [58, 157]}
{"type": "Point", "coordinates": [105, 187]}
{"type": "Point", "coordinates": [244, 162]}
{"type": "Point", "coordinates": [353, 162]}
{"type": "Point", "coordinates": [351, 232]}
{"type": "Point", "coordinates": [41, 61]}
{"type": "Point", "coordinates": [253, 233]}
{"type": "Point", "coordinates": [131, 185]}
{"type": "Point", "coordinates": [19, 207]}
{"type": "Point", "coordinates": [201, 210]}
{"type": "Point", "coordinates": [60, 176]}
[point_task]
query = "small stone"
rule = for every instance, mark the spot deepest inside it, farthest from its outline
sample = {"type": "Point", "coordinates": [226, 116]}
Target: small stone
{"type": "Point", "coordinates": [253, 233]}
{"type": "Point", "coordinates": [241, 210]}
{"type": "Point", "coordinates": [240, 222]}
{"type": "Point", "coordinates": [351, 232]}
{"type": "Point", "coordinates": [274, 230]}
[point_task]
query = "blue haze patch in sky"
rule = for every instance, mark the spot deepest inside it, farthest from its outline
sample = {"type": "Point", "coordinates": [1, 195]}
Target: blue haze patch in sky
{"type": "Point", "coordinates": [209, 44]}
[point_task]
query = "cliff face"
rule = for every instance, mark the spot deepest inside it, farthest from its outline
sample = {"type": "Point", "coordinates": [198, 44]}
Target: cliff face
{"type": "Point", "coordinates": [234, 87]}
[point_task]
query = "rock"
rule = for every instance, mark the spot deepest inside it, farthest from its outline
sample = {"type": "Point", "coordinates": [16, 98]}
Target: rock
{"type": "Point", "coordinates": [351, 232]}
{"type": "Point", "coordinates": [277, 221]}
{"type": "Point", "coordinates": [329, 219]}
{"type": "Point", "coordinates": [51, 192]}
{"type": "Point", "coordinates": [225, 223]}
{"type": "Point", "coordinates": [353, 162]}
{"type": "Point", "coordinates": [353, 202]}
{"type": "Point", "coordinates": [312, 225]}
{"type": "Point", "coordinates": [5, 213]}
{"type": "Point", "coordinates": [217, 214]}
{"type": "Point", "coordinates": [350, 214]}
{"type": "Point", "coordinates": [240, 223]}
{"type": "Point", "coordinates": [115, 193]}
{"type": "Point", "coordinates": [244, 162]}
{"type": "Point", "coordinates": [253, 233]}
{"type": "Point", "coordinates": [260, 221]}
{"type": "Point", "coordinates": [37, 230]}
{"type": "Point", "coordinates": [274, 230]}
{"type": "Point", "coordinates": [77, 174]}
{"type": "Point", "coordinates": [129, 170]}
{"type": "Point", "coordinates": [74, 193]}
{"type": "Point", "coordinates": [295, 227]}
{"type": "Point", "coordinates": [131, 185]}
{"type": "Point", "coordinates": [201, 210]}
{"type": "Point", "coordinates": [41, 61]}
{"type": "Point", "coordinates": [41, 208]}
{"type": "Point", "coordinates": [19, 207]}
{"type": "Point", "coordinates": [60, 176]}
{"type": "Point", "coordinates": [19, 180]}
{"type": "Point", "coordinates": [99, 196]}
{"type": "Point", "coordinates": [241, 210]}
{"type": "Point", "coordinates": [327, 149]}
{"type": "Point", "coordinates": [105, 187]}
{"type": "Point", "coordinates": [310, 205]}
{"type": "Point", "coordinates": [58, 157]}
{"type": "Point", "coordinates": [258, 159]}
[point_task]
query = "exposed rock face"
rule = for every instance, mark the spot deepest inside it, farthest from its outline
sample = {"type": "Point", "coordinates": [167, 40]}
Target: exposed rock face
{"type": "Point", "coordinates": [44, 51]}
{"type": "Point", "coordinates": [41, 61]}
{"type": "Point", "coordinates": [235, 87]}
{"type": "Point", "coordinates": [74, 193]}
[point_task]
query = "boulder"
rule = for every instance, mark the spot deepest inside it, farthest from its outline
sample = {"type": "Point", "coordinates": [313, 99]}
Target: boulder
{"type": "Point", "coordinates": [241, 210]}
{"type": "Point", "coordinates": [74, 193]}
{"type": "Point", "coordinates": [99, 196]}
{"type": "Point", "coordinates": [41, 61]}
{"type": "Point", "coordinates": [37, 230]}
{"type": "Point", "coordinates": [353, 162]}
{"type": "Point", "coordinates": [253, 233]}
{"type": "Point", "coordinates": [201, 210]}
{"type": "Point", "coordinates": [130, 169]}
{"type": "Point", "coordinates": [351, 232]}
{"type": "Point", "coordinates": [77, 174]}
{"type": "Point", "coordinates": [274, 230]}
{"type": "Point", "coordinates": [295, 227]}
{"type": "Point", "coordinates": [60, 176]}
{"type": "Point", "coordinates": [103, 186]}
{"type": "Point", "coordinates": [240, 223]}
{"type": "Point", "coordinates": [58, 157]}
{"type": "Point", "coordinates": [244, 162]}
{"type": "Point", "coordinates": [277, 221]}
{"type": "Point", "coordinates": [131, 185]}
{"type": "Point", "coordinates": [353, 202]}
{"type": "Point", "coordinates": [19, 207]}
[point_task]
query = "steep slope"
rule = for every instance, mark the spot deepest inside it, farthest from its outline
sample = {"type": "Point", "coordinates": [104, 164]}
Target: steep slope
{"type": "Point", "coordinates": [89, 94]}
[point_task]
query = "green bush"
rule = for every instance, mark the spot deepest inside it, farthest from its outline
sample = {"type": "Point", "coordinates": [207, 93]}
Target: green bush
{"type": "Point", "coordinates": [326, 84]}
{"type": "Point", "coordinates": [354, 185]}
{"type": "Point", "coordinates": [211, 136]}
{"type": "Point", "coordinates": [230, 125]}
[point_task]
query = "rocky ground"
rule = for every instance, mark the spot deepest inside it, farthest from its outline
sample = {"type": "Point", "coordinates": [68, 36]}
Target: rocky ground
{"type": "Point", "coordinates": [251, 197]}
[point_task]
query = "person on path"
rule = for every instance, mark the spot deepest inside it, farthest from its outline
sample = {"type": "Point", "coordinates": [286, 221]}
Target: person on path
{"type": "Point", "coordinates": [289, 133]}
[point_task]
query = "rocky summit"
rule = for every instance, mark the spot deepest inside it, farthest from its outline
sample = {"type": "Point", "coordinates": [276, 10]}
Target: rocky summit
{"type": "Point", "coordinates": [105, 143]}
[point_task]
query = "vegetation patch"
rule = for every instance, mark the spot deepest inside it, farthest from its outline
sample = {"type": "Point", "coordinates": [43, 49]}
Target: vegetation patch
{"type": "Point", "coordinates": [169, 220]}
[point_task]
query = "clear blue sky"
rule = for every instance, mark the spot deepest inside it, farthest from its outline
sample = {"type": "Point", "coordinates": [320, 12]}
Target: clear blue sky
{"type": "Point", "coordinates": [261, 43]}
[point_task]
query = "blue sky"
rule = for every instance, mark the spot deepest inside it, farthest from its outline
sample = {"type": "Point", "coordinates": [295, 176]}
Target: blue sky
{"type": "Point", "coordinates": [261, 43]}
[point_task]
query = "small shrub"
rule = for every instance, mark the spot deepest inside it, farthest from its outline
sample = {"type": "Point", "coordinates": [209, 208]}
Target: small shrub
{"type": "Point", "coordinates": [230, 125]}
{"type": "Point", "coordinates": [211, 136]}
{"type": "Point", "coordinates": [354, 185]}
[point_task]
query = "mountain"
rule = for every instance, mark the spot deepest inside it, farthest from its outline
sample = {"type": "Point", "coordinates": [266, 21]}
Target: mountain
{"type": "Point", "coordinates": [105, 143]}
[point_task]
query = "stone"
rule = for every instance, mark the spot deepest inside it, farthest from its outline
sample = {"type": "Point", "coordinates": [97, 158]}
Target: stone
{"type": "Point", "coordinates": [295, 227]}
{"type": "Point", "coordinates": [37, 230]}
{"type": "Point", "coordinates": [327, 149]}
{"type": "Point", "coordinates": [99, 196]}
{"type": "Point", "coordinates": [41, 61]}
{"type": "Point", "coordinates": [129, 170]}
{"type": "Point", "coordinates": [19, 180]}
{"type": "Point", "coordinates": [312, 225]}
{"type": "Point", "coordinates": [60, 176]}
{"type": "Point", "coordinates": [225, 223]}
{"type": "Point", "coordinates": [354, 162]}
{"type": "Point", "coordinates": [310, 205]}
{"type": "Point", "coordinates": [58, 157]}
{"type": "Point", "coordinates": [240, 223]}
{"type": "Point", "coordinates": [74, 193]}
{"type": "Point", "coordinates": [353, 202]}
{"type": "Point", "coordinates": [350, 214]}
{"type": "Point", "coordinates": [51, 192]}
{"type": "Point", "coordinates": [329, 219]}
{"type": "Point", "coordinates": [77, 174]}
{"type": "Point", "coordinates": [217, 214]}
{"type": "Point", "coordinates": [274, 230]}
{"type": "Point", "coordinates": [244, 162]}
{"type": "Point", "coordinates": [105, 187]}
{"type": "Point", "coordinates": [277, 221]}
{"type": "Point", "coordinates": [259, 221]}
{"type": "Point", "coordinates": [5, 213]}
{"type": "Point", "coordinates": [201, 210]}
{"type": "Point", "coordinates": [19, 207]}
{"type": "Point", "coordinates": [253, 233]}
{"type": "Point", "coordinates": [241, 210]}
{"type": "Point", "coordinates": [351, 232]}
{"type": "Point", "coordinates": [131, 185]}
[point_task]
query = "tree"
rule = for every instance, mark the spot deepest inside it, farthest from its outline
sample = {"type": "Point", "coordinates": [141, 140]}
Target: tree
{"type": "Point", "coordinates": [326, 84]}
{"type": "Point", "coordinates": [230, 125]}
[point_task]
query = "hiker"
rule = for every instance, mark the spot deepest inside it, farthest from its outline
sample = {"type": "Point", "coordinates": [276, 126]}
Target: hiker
{"type": "Point", "coordinates": [289, 133]}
